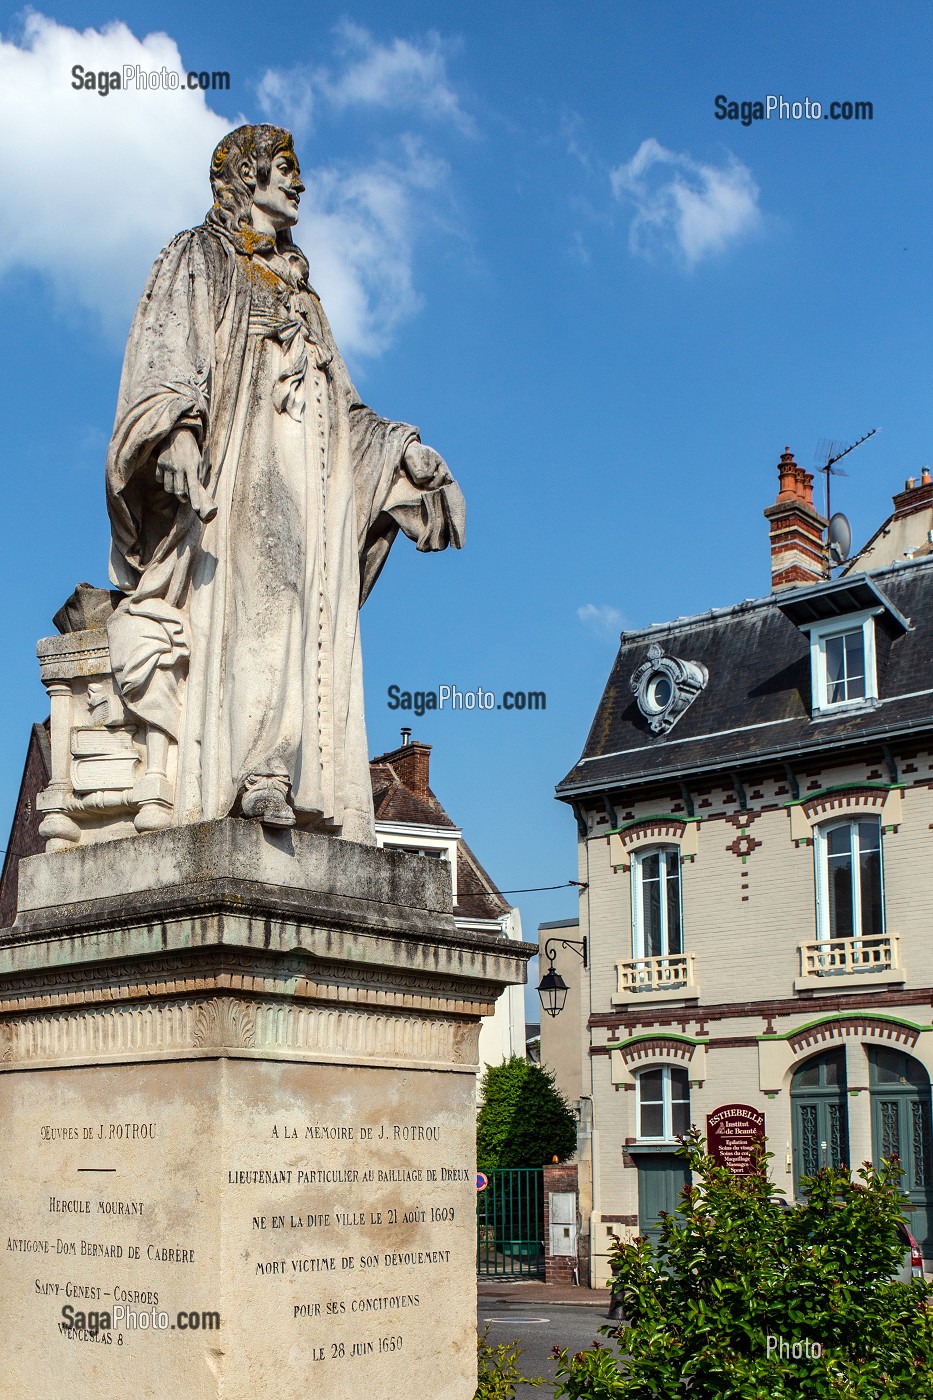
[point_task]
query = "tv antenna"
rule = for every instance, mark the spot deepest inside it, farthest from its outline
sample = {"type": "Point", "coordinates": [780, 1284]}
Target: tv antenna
{"type": "Point", "coordinates": [833, 454]}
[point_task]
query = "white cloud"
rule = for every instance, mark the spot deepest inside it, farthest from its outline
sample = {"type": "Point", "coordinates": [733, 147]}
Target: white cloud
{"type": "Point", "coordinates": [400, 76]}
{"type": "Point", "coordinates": [573, 131]}
{"type": "Point", "coordinates": [95, 186]}
{"type": "Point", "coordinates": [357, 230]}
{"type": "Point", "coordinates": [684, 206]}
{"type": "Point", "coordinates": [287, 98]}
{"type": "Point", "coordinates": [603, 619]}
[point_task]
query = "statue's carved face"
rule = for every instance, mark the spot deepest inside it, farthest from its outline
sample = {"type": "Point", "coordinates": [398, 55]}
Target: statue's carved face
{"type": "Point", "coordinates": [277, 200]}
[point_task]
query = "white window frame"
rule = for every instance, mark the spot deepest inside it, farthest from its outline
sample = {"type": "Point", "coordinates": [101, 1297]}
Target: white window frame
{"type": "Point", "coordinates": [821, 860]}
{"type": "Point", "coordinates": [638, 920]}
{"type": "Point", "coordinates": [406, 836]}
{"type": "Point", "coordinates": [820, 633]}
{"type": "Point", "coordinates": [667, 1101]}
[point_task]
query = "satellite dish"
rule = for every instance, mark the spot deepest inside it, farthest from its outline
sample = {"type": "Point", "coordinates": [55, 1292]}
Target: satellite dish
{"type": "Point", "coordinates": [840, 538]}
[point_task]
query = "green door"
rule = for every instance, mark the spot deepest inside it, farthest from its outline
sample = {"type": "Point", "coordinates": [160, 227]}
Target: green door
{"type": "Point", "coordinates": [901, 1126]}
{"type": "Point", "coordinates": [661, 1178]}
{"type": "Point", "coordinates": [820, 1115]}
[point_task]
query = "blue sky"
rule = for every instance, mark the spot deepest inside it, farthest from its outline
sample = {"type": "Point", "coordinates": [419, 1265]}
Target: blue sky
{"type": "Point", "coordinates": [608, 310]}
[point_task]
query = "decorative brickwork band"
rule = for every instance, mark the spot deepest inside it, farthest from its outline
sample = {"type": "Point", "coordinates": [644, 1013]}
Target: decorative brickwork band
{"type": "Point", "coordinates": [655, 1048]}
{"type": "Point", "coordinates": [828, 804]}
{"type": "Point", "coordinates": [641, 1051]}
{"type": "Point", "coordinates": [657, 829]}
{"type": "Point", "coordinates": [661, 829]}
{"type": "Point", "coordinates": [862, 1027]}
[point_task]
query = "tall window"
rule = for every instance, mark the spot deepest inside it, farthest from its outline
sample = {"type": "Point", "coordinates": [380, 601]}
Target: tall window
{"type": "Point", "coordinates": [850, 900]}
{"type": "Point", "coordinates": [845, 667]}
{"type": "Point", "coordinates": [656, 909]}
{"type": "Point", "coordinates": [663, 1103]}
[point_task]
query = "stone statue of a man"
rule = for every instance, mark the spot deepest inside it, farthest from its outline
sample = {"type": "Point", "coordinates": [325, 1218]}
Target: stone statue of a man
{"type": "Point", "coordinates": [253, 500]}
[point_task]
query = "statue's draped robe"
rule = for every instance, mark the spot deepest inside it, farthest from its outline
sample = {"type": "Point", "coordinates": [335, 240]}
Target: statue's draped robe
{"type": "Point", "coordinates": [240, 637]}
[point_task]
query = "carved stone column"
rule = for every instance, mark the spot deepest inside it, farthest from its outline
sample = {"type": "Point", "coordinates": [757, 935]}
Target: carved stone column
{"type": "Point", "coordinates": [238, 1071]}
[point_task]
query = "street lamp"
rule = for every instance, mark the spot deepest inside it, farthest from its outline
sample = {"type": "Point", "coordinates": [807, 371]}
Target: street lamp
{"type": "Point", "coordinates": [552, 989]}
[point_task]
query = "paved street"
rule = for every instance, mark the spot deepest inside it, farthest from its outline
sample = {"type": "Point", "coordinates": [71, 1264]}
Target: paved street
{"type": "Point", "coordinates": [540, 1326]}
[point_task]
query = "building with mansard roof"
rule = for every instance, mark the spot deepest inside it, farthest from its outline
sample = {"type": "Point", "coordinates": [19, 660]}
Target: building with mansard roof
{"type": "Point", "coordinates": [754, 806]}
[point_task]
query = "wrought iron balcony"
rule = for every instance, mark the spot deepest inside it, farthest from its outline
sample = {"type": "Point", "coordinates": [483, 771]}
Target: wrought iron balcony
{"type": "Point", "coordinates": [667, 976]}
{"type": "Point", "coordinates": [874, 958]}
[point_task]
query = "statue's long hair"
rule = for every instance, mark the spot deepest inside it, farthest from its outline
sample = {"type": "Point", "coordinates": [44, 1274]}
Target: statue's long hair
{"type": "Point", "coordinates": [256, 147]}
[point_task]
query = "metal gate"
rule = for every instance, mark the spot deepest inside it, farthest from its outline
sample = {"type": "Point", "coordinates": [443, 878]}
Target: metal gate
{"type": "Point", "coordinates": [510, 1224]}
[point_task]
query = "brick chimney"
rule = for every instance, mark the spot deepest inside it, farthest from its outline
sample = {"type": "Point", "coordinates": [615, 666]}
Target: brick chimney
{"type": "Point", "coordinates": [915, 495]}
{"type": "Point", "coordinates": [798, 551]}
{"type": "Point", "coordinates": [412, 763]}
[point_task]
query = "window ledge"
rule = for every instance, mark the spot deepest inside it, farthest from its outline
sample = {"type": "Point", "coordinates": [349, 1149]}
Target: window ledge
{"type": "Point", "coordinates": [845, 707]}
{"type": "Point", "coordinates": [829, 982]}
{"type": "Point", "coordinates": [650, 995]}
{"type": "Point", "coordinates": [641, 1149]}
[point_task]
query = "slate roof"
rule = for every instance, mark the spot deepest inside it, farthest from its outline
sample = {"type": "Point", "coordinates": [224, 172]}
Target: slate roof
{"type": "Point", "coordinates": [756, 705]}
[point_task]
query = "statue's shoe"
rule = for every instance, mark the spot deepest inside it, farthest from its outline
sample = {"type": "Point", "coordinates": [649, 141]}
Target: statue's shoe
{"type": "Point", "coordinates": [265, 802]}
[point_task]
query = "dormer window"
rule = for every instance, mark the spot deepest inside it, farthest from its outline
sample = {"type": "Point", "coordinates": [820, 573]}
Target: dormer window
{"type": "Point", "coordinates": [840, 618]}
{"type": "Point", "coordinates": [439, 843]}
{"type": "Point", "coordinates": [842, 661]}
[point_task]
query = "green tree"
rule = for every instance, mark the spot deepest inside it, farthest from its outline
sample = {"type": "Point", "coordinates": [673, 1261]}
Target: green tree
{"type": "Point", "coordinates": [525, 1121]}
{"type": "Point", "coordinates": [736, 1273]}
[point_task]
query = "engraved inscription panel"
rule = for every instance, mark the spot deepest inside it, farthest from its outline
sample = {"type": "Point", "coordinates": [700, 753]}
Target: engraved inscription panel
{"type": "Point", "coordinates": [350, 1226]}
{"type": "Point", "coordinates": [105, 1215]}
{"type": "Point", "coordinates": [238, 1227]}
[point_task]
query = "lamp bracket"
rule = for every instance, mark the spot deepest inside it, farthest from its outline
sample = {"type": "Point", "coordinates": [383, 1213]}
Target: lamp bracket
{"type": "Point", "coordinates": [579, 946]}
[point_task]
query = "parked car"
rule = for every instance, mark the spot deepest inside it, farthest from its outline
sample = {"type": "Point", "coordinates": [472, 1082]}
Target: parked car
{"type": "Point", "coordinates": [912, 1262]}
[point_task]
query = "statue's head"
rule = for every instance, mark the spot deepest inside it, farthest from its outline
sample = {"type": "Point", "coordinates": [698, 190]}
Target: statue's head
{"type": "Point", "coordinates": [256, 166]}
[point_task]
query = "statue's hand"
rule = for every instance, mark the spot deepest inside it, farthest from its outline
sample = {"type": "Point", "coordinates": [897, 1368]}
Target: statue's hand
{"type": "Point", "coordinates": [424, 466]}
{"type": "Point", "coordinates": [177, 472]}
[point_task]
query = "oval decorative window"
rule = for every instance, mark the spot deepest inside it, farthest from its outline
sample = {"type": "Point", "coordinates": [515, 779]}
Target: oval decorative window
{"type": "Point", "coordinates": [665, 686]}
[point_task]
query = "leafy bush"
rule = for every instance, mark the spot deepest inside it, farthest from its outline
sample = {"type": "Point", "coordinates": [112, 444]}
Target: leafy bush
{"type": "Point", "coordinates": [498, 1369]}
{"type": "Point", "coordinates": [735, 1267]}
{"type": "Point", "coordinates": [525, 1120]}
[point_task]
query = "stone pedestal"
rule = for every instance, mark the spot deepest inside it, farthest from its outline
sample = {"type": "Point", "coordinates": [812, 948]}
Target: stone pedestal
{"type": "Point", "coordinates": [237, 1108]}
